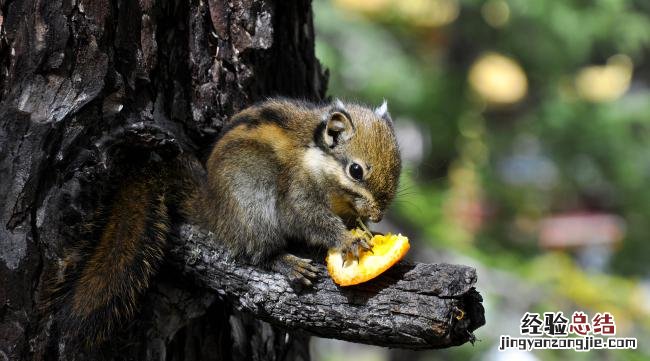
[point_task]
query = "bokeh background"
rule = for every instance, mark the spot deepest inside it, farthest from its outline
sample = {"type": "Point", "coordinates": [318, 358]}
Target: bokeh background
{"type": "Point", "coordinates": [525, 128]}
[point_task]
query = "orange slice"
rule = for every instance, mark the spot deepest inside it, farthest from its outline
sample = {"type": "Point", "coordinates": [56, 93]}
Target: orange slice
{"type": "Point", "coordinates": [386, 251]}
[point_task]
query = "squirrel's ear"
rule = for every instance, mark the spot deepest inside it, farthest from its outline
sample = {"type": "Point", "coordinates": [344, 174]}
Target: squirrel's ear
{"type": "Point", "coordinates": [382, 112]}
{"type": "Point", "coordinates": [338, 128]}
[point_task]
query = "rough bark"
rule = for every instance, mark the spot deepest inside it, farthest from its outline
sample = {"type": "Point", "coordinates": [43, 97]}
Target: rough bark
{"type": "Point", "coordinates": [88, 88]}
{"type": "Point", "coordinates": [415, 306]}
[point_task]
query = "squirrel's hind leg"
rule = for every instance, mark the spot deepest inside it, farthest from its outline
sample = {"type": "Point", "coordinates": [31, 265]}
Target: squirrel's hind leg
{"type": "Point", "coordinates": [299, 271]}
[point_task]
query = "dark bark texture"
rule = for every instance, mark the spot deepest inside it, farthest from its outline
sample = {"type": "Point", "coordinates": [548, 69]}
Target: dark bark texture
{"type": "Point", "coordinates": [88, 88]}
{"type": "Point", "coordinates": [415, 306]}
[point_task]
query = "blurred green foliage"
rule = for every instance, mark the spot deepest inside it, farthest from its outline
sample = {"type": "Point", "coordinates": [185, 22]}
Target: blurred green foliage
{"type": "Point", "coordinates": [493, 172]}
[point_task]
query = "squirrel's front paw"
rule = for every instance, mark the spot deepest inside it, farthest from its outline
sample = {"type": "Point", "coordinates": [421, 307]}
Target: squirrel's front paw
{"type": "Point", "coordinates": [351, 245]}
{"type": "Point", "coordinates": [299, 271]}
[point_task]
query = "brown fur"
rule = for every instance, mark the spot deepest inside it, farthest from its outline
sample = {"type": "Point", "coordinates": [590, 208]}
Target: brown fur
{"type": "Point", "coordinates": [261, 191]}
{"type": "Point", "coordinates": [115, 252]}
{"type": "Point", "coordinates": [278, 174]}
{"type": "Point", "coordinates": [100, 283]}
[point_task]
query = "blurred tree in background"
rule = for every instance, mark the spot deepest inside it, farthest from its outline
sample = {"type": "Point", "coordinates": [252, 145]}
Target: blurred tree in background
{"type": "Point", "coordinates": [526, 133]}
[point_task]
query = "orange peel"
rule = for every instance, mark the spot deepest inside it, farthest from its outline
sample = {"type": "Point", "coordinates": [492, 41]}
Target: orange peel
{"type": "Point", "coordinates": [386, 251]}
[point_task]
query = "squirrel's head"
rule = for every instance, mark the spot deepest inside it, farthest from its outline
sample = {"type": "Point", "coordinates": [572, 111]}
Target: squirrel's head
{"type": "Point", "coordinates": [363, 165]}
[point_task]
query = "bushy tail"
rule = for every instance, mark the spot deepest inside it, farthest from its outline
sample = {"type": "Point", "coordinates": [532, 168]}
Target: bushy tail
{"type": "Point", "coordinates": [103, 279]}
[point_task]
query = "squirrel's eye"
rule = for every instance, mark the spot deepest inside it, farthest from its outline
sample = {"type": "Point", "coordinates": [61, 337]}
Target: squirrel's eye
{"type": "Point", "coordinates": [355, 171]}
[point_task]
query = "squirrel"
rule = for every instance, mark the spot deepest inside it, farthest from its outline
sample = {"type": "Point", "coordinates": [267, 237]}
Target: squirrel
{"type": "Point", "coordinates": [282, 172]}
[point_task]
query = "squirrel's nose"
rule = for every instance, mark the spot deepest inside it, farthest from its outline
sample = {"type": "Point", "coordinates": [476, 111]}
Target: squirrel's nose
{"type": "Point", "coordinates": [376, 217]}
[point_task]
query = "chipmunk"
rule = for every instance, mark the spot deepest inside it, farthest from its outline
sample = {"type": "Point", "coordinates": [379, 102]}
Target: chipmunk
{"type": "Point", "coordinates": [281, 172]}
{"type": "Point", "coordinates": [290, 171]}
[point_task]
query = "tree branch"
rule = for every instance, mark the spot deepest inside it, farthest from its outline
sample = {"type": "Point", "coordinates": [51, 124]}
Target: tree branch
{"type": "Point", "coordinates": [415, 306]}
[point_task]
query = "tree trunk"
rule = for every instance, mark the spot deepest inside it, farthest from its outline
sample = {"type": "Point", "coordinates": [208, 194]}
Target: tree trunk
{"type": "Point", "coordinates": [78, 80]}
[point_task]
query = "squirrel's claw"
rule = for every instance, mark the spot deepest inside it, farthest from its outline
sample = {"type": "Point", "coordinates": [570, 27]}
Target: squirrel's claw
{"type": "Point", "coordinates": [307, 270]}
{"type": "Point", "coordinates": [298, 271]}
{"type": "Point", "coordinates": [363, 243]}
{"type": "Point", "coordinates": [351, 246]}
